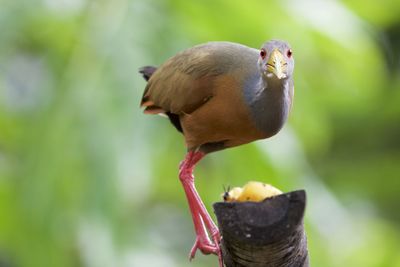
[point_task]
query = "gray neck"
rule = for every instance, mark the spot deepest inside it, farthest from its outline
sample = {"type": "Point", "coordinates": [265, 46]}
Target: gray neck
{"type": "Point", "coordinates": [270, 105]}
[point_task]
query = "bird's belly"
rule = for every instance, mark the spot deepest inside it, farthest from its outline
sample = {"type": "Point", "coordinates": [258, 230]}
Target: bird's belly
{"type": "Point", "coordinates": [219, 130]}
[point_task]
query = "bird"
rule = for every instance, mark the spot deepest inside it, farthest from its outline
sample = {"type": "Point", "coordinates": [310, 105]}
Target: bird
{"type": "Point", "coordinates": [252, 191]}
{"type": "Point", "coordinates": [219, 95]}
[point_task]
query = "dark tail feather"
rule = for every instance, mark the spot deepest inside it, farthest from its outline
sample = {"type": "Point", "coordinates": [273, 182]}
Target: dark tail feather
{"type": "Point", "coordinates": [147, 71]}
{"type": "Point", "coordinates": [174, 118]}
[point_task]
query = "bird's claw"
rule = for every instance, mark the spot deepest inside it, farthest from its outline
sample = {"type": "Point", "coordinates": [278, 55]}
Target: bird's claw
{"type": "Point", "coordinates": [217, 239]}
{"type": "Point", "coordinates": [206, 247]}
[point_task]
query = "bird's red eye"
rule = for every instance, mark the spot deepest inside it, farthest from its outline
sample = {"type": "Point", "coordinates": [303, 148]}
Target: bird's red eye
{"type": "Point", "coordinates": [289, 53]}
{"type": "Point", "coordinates": [263, 53]}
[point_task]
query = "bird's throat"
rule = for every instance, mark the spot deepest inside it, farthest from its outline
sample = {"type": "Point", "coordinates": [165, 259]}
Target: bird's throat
{"type": "Point", "coordinates": [270, 106]}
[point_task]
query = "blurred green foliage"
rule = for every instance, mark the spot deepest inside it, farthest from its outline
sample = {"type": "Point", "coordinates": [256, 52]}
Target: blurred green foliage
{"type": "Point", "coordinates": [87, 180]}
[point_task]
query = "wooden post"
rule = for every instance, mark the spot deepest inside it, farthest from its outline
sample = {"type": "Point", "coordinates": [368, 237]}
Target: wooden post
{"type": "Point", "coordinates": [264, 234]}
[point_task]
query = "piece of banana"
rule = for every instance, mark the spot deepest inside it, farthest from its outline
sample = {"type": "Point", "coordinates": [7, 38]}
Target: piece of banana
{"type": "Point", "coordinates": [252, 191]}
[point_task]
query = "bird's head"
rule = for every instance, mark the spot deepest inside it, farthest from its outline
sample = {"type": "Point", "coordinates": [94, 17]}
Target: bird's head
{"type": "Point", "coordinates": [276, 60]}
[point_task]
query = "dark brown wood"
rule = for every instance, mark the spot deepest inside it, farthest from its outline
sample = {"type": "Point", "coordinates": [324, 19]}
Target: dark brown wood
{"type": "Point", "coordinates": [264, 234]}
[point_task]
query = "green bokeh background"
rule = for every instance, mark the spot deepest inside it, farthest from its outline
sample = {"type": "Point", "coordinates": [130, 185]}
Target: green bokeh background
{"type": "Point", "coordinates": [87, 180]}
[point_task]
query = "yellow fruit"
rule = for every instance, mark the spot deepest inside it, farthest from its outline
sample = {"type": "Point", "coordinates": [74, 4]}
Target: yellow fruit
{"type": "Point", "coordinates": [252, 191]}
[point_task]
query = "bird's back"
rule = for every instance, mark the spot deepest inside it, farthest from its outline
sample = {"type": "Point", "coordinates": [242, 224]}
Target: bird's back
{"type": "Point", "coordinates": [185, 81]}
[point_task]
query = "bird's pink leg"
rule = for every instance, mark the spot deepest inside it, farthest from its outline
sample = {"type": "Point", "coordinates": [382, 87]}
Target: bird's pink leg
{"type": "Point", "coordinates": [203, 224]}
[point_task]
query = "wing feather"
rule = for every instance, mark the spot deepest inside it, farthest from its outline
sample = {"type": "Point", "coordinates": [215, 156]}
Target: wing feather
{"type": "Point", "coordinates": [186, 81]}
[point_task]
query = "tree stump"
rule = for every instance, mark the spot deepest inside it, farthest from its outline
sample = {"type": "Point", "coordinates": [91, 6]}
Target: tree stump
{"type": "Point", "coordinates": [264, 234]}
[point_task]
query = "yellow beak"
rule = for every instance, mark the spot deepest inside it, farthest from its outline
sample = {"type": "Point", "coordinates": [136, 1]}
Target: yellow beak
{"type": "Point", "coordinates": [277, 64]}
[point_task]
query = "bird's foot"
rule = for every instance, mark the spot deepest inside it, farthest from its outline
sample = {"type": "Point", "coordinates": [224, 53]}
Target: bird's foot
{"type": "Point", "coordinates": [207, 247]}
{"type": "Point", "coordinates": [217, 239]}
